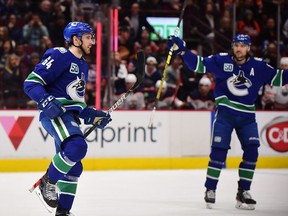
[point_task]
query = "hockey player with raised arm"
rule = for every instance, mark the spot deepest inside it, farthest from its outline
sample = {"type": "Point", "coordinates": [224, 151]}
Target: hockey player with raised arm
{"type": "Point", "coordinates": [57, 84]}
{"type": "Point", "coordinates": [238, 79]}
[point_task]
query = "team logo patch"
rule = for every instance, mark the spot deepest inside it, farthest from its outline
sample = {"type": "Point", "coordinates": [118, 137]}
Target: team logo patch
{"type": "Point", "coordinates": [76, 89]}
{"type": "Point", "coordinates": [74, 68]}
{"type": "Point", "coordinates": [228, 67]}
{"type": "Point", "coordinates": [238, 85]}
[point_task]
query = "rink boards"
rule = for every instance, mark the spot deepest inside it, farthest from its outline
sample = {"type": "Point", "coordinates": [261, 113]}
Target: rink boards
{"type": "Point", "coordinates": [177, 140]}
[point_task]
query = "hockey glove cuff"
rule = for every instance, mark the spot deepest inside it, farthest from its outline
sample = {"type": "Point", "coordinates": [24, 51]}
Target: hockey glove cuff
{"type": "Point", "coordinates": [177, 44]}
{"type": "Point", "coordinates": [51, 106]}
{"type": "Point", "coordinates": [93, 116]}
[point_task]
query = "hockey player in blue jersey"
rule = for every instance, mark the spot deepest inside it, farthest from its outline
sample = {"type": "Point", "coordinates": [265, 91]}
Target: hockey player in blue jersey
{"type": "Point", "coordinates": [57, 84]}
{"type": "Point", "coordinates": [238, 79]}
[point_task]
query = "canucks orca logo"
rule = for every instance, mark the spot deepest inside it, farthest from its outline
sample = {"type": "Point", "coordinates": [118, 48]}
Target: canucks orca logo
{"type": "Point", "coordinates": [76, 89]}
{"type": "Point", "coordinates": [238, 85]}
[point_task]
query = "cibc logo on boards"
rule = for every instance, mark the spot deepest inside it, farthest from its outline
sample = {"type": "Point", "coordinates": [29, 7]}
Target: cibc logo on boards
{"type": "Point", "coordinates": [275, 134]}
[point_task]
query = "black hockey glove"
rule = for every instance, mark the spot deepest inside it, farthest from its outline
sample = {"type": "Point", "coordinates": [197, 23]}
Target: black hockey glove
{"type": "Point", "coordinates": [180, 45]}
{"type": "Point", "coordinates": [93, 116]}
{"type": "Point", "coordinates": [51, 106]}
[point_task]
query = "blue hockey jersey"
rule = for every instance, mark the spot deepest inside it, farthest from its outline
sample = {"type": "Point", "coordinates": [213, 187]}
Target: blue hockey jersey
{"type": "Point", "coordinates": [61, 74]}
{"type": "Point", "coordinates": [237, 86]}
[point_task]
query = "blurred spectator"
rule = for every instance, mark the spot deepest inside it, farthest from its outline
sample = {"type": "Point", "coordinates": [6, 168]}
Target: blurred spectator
{"type": "Point", "coordinates": [249, 25]}
{"type": "Point", "coordinates": [209, 21]}
{"type": "Point", "coordinates": [202, 98]}
{"type": "Point", "coordinates": [269, 35]}
{"type": "Point", "coordinates": [276, 98]}
{"type": "Point", "coordinates": [144, 42]}
{"type": "Point", "coordinates": [45, 13]}
{"type": "Point", "coordinates": [173, 73]}
{"type": "Point", "coordinates": [281, 93]}
{"type": "Point", "coordinates": [12, 83]}
{"type": "Point", "coordinates": [270, 54]}
{"type": "Point", "coordinates": [34, 31]}
{"type": "Point", "coordinates": [5, 50]}
{"type": "Point", "coordinates": [188, 82]}
{"type": "Point", "coordinates": [126, 46]}
{"type": "Point", "coordinates": [166, 98]}
{"type": "Point", "coordinates": [136, 20]}
{"type": "Point", "coordinates": [135, 99]}
{"type": "Point", "coordinates": [161, 54]}
{"type": "Point", "coordinates": [224, 36]}
{"type": "Point", "coordinates": [56, 30]}
{"type": "Point", "coordinates": [152, 74]}
{"type": "Point", "coordinates": [4, 36]}
{"type": "Point", "coordinates": [15, 30]}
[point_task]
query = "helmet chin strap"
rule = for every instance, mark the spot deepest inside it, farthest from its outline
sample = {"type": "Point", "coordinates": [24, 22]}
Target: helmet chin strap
{"type": "Point", "coordinates": [80, 47]}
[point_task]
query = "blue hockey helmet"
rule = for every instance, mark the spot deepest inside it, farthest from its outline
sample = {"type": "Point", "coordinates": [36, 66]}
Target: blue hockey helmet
{"type": "Point", "coordinates": [242, 38]}
{"type": "Point", "coordinates": [76, 28]}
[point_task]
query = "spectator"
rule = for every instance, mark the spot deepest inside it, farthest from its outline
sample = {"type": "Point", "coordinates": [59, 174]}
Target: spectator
{"type": "Point", "coordinates": [281, 94]}
{"type": "Point", "coordinates": [166, 98]}
{"type": "Point", "coordinates": [161, 54]}
{"type": "Point", "coordinates": [136, 99]}
{"type": "Point", "coordinates": [202, 98]}
{"type": "Point", "coordinates": [15, 30]}
{"type": "Point", "coordinates": [224, 35]}
{"type": "Point", "coordinates": [13, 83]}
{"type": "Point", "coordinates": [6, 49]}
{"type": "Point", "coordinates": [4, 36]}
{"type": "Point", "coordinates": [144, 41]}
{"type": "Point", "coordinates": [136, 20]}
{"type": "Point", "coordinates": [34, 31]}
{"type": "Point", "coordinates": [152, 74]}
{"type": "Point", "coordinates": [249, 25]}
{"type": "Point", "coordinates": [173, 73]}
{"type": "Point", "coordinates": [126, 46]}
{"type": "Point", "coordinates": [188, 82]}
{"type": "Point", "coordinates": [209, 21]}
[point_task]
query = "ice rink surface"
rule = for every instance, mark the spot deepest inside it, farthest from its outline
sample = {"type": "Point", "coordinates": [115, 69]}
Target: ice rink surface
{"type": "Point", "coordinates": [150, 193]}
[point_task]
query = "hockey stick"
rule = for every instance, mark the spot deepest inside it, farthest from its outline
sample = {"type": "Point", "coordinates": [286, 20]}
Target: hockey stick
{"type": "Point", "coordinates": [140, 76]}
{"type": "Point", "coordinates": [168, 59]}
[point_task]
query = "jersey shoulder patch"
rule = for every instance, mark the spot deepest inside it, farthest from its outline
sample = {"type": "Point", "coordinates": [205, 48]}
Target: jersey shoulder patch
{"type": "Point", "coordinates": [61, 49]}
{"type": "Point", "coordinates": [223, 54]}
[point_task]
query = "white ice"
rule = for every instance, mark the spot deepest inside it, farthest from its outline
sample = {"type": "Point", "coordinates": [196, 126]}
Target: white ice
{"type": "Point", "coordinates": [150, 193]}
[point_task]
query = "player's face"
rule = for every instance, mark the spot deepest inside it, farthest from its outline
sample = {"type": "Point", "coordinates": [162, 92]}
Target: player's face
{"type": "Point", "coordinates": [240, 51]}
{"type": "Point", "coordinates": [88, 40]}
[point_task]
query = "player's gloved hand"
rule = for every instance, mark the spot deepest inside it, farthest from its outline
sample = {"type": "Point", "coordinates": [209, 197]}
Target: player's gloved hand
{"type": "Point", "coordinates": [179, 45]}
{"type": "Point", "coordinates": [51, 106]}
{"type": "Point", "coordinates": [93, 116]}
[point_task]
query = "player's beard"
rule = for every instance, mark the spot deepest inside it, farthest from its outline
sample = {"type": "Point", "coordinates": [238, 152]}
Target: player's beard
{"type": "Point", "coordinates": [239, 57]}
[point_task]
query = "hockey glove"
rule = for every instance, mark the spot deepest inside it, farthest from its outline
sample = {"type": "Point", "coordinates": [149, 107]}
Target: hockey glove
{"type": "Point", "coordinates": [93, 116]}
{"type": "Point", "coordinates": [51, 106]}
{"type": "Point", "coordinates": [180, 45]}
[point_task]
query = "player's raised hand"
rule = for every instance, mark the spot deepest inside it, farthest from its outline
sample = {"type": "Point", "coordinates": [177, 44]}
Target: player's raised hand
{"type": "Point", "coordinates": [179, 45]}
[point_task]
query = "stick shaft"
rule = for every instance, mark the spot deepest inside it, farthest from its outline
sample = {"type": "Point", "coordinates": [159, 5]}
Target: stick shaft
{"type": "Point", "coordinates": [168, 60]}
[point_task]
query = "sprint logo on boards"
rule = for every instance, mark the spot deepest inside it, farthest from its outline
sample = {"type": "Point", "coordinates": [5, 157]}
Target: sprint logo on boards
{"type": "Point", "coordinates": [16, 128]}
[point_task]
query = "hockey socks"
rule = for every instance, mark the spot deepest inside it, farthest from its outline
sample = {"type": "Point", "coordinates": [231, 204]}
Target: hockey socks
{"type": "Point", "coordinates": [59, 166]}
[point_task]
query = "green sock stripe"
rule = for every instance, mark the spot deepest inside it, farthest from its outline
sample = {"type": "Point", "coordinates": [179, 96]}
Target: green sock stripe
{"type": "Point", "coordinates": [213, 172]}
{"type": "Point", "coordinates": [60, 164]}
{"type": "Point", "coordinates": [246, 174]}
{"type": "Point", "coordinates": [67, 187]}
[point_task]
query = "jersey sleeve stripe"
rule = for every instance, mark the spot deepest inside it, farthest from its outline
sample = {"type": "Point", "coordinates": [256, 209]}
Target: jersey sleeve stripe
{"type": "Point", "coordinates": [277, 80]}
{"type": "Point", "coordinates": [200, 67]}
{"type": "Point", "coordinates": [33, 77]}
